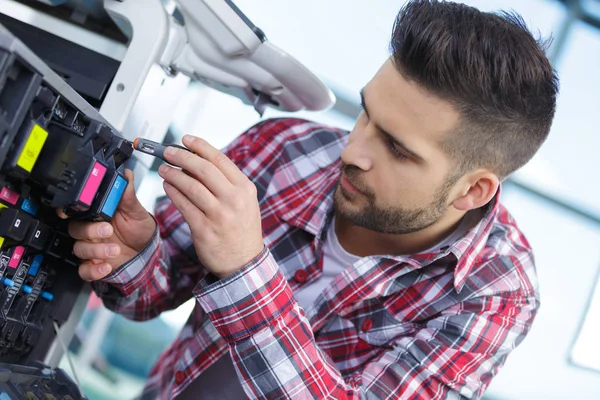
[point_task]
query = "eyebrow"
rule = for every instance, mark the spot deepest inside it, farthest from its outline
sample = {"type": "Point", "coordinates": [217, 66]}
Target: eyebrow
{"type": "Point", "coordinates": [394, 139]}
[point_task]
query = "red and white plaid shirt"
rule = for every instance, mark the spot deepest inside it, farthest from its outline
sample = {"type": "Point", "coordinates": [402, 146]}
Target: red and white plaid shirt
{"type": "Point", "coordinates": [427, 326]}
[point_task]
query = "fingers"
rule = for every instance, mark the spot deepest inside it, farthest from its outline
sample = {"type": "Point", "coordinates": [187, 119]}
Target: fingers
{"type": "Point", "coordinates": [129, 176]}
{"type": "Point", "coordinates": [61, 213]}
{"type": "Point", "coordinates": [99, 251]}
{"type": "Point", "coordinates": [130, 204]}
{"type": "Point", "coordinates": [129, 200]}
{"type": "Point", "coordinates": [90, 230]}
{"type": "Point", "coordinates": [190, 187]}
{"type": "Point", "coordinates": [129, 192]}
{"type": "Point", "coordinates": [90, 271]}
{"type": "Point", "coordinates": [204, 171]}
{"type": "Point", "coordinates": [188, 210]}
{"type": "Point", "coordinates": [95, 266]}
{"type": "Point", "coordinates": [202, 148]}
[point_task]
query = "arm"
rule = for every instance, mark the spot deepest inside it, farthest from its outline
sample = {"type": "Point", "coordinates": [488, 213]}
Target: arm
{"type": "Point", "coordinates": [161, 277]}
{"type": "Point", "coordinates": [454, 355]}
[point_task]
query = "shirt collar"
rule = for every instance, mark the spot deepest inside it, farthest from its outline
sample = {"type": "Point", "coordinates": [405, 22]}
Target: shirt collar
{"type": "Point", "coordinates": [466, 252]}
{"type": "Point", "coordinates": [469, 248]}
{"type": "Point", "coordinates": [308, 206]}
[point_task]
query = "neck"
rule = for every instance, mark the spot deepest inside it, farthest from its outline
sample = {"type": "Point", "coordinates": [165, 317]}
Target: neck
{"type": "Point", "coordinates": [364, 242]}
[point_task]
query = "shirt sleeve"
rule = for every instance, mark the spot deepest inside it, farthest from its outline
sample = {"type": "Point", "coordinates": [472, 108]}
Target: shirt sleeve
{"type": "Point", "coordinates": [454, 355]}
{"type": "Point", "coordinates": [159, 278]}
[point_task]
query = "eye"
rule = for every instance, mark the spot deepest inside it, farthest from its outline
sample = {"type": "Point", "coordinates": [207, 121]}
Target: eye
{"type": "Point", "coordinates": [392, 146]}
{"type": "Point", "coordinates": [364, 111]}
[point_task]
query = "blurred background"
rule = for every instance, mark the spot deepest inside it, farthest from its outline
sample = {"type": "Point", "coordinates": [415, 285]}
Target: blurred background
{"type": "Point", "coordinates": [554, 198]}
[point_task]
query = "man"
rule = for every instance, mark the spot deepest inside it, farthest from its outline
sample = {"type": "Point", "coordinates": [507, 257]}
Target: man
{"type": "Point", "coordinates": [378, 264]}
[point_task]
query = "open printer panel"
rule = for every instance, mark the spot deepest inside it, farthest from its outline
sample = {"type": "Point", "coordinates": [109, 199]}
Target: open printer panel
{"type": "Point", "coordinates": [56, 152]}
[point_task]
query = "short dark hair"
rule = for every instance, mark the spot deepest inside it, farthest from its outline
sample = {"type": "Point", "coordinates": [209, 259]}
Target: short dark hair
{"type": "Point", "coordinates": [491, 68]}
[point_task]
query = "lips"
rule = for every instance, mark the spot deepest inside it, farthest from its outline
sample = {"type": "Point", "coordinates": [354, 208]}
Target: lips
{"type": "Point", "coordinates": [348, 186]}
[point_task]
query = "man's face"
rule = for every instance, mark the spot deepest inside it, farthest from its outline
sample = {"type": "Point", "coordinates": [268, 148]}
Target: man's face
{"type": "Point", "coordinates": [395, 177]}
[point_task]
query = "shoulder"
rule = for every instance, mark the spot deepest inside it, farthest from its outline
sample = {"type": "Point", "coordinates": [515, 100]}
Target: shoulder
{"type": "Point", "coordinates": [284, 133]}
{"type": "Point", "coordinates": [283, 143]}
{"type": "Point", "coordinates": [283, 151]}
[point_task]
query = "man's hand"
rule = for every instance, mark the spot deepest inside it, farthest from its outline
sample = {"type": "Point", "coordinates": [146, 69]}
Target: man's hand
{"type": "Point", "coordinates": [104, 246]}
{"type": "Point", "coordinates": [219, 204]}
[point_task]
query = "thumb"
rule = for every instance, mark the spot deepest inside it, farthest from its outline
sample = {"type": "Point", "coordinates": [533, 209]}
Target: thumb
{"type": "Point", "coordinates": [130, 204]}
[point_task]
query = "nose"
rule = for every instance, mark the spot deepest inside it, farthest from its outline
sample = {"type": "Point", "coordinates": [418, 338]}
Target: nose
{"type": "Point", "coordinates": [358, 151]}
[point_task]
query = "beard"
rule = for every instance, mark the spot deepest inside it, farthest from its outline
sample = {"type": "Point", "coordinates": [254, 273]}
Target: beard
{"type": "Point", "coordinates": [383, 218]}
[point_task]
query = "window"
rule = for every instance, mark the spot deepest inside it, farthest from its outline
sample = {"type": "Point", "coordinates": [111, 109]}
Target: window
{"type": "Point", "coordinates": [567, 257]}
{"type": "Point", "coordinates": [585, 352]}
{"type": "Point", "coordinates": [567, 165]}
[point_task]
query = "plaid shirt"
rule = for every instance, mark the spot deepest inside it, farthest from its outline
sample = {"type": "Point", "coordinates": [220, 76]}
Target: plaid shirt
{"type": "Point", "coordinates": [426, 326]}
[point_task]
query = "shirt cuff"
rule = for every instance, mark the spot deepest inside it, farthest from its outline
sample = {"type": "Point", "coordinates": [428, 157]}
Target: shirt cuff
{"type": "Point", "coordinates": [129, 276]}
{"type": "Point", "coordinates": [247, 301]}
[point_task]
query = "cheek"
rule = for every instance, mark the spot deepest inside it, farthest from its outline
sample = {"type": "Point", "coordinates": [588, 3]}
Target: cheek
{"type": "Point", "coordinates": [407, 186]}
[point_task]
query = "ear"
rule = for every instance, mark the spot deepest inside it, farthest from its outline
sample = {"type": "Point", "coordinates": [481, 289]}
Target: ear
{"type": "Point", "coordinates": [478, 189]}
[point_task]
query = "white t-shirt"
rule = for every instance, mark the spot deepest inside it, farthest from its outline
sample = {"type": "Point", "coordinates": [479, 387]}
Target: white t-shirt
{"type": "Point", "coordinates": [335, 260]}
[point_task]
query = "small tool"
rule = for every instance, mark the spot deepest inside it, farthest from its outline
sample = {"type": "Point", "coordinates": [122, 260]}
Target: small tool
{"type": "Point", "coordinates": [154, 148]}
